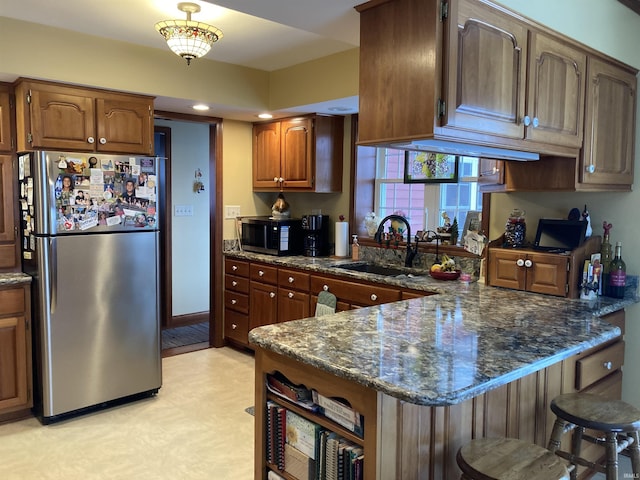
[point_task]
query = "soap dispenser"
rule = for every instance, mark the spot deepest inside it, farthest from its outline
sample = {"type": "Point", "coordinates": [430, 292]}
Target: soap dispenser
{"type": "Point", "coordinates": [355, 248]}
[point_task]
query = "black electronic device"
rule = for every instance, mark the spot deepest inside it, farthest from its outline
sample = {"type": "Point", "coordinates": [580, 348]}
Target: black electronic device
{"type": "Point", "coordinates": [559, 234]}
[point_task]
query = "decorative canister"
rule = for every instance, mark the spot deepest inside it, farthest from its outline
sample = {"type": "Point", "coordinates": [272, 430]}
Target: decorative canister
{"type": "Point", "coordinates": [515, 230]}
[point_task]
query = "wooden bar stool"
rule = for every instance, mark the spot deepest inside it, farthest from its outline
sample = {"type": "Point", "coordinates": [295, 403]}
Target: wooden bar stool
{"type": "Point", "coordinates": [619, 421]}
{"type": "Point", "coordinates": [508, 459]}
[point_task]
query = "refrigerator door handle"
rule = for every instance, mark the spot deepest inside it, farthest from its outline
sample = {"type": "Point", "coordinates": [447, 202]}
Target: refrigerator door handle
{"type": "Point", "coordinates": [53, 271]}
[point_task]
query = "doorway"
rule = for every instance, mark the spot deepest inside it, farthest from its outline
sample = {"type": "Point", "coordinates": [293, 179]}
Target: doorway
{"type": "Point", "coordinates": [182, 333]}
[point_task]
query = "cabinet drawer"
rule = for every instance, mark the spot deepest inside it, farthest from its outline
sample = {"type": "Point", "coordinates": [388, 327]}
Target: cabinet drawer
{"type": "Point", "coordinates": [237, 267]}
{"type": "Point", "coordinates": [236, 284]}
{"type": "Point", "coordinates": [12, 301]}
{"type": "Point", "coordinates": [236, 301]}
{"type": "Point", "coordinates": [264, 273]}
{"type": "Point", "coordinates": [236, 326]}
{"type": "Point", "coordinates": [359, 294]}
{"type": "Point", "coordinates": [293, 279]}
{"type": "Point", "coordinates": [599, 364]}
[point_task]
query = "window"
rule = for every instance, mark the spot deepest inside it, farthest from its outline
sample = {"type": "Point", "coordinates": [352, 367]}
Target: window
{"type": "Point", "coordinates": [422, 203]}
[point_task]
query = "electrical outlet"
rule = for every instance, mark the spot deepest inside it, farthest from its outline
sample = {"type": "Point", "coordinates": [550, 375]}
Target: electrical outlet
{"type": "Point", "coordinates": [231, 211]}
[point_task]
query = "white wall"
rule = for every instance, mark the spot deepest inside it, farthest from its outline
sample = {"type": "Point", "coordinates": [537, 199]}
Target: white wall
{"type": "Point", "coordinates": [190, 235]}
{"type": "Point", "coordinates": [612, 28]}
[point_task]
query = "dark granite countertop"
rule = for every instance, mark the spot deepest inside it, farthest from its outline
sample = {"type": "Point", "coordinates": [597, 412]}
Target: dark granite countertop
{"type": "Point", "coordinates": [440, 349]}
{"type": "Point", "coordinates": [17, 278]}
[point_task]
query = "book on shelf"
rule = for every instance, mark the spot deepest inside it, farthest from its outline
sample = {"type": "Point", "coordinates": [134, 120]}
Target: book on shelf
{"type": "Point", "coordinates": [331, 454]}
{"type": "Point", "coordinates": [281, 436]}
{"type": "Point", "coordinates": [340, 412]}
{"type": "Point", "coordinates": [298, 394]}
{"type": "Point", "coordinates": [303, 434]}
{"type": "Point", "coordinates": [274, 476]}
{"type": "Point", "coordinates": [298, 464]}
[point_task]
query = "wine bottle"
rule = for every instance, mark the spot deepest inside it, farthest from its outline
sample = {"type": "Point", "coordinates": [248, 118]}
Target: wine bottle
{"type": "Point", "coordinates": [605, 260]}
{"type": "Point", "coordinates": [617, 274]}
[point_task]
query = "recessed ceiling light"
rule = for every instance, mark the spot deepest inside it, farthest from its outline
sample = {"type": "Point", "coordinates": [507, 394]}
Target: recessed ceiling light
{"type": "Point", "coordinates": [201, 107]}
{"type": "Point", "coordinates": [265, 115]}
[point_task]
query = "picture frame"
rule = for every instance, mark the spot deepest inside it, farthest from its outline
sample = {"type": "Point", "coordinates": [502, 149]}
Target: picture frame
{"type": "Point", "coordinates": [473, 222]}
{"type": "Point", "coordinates": [430, 167]}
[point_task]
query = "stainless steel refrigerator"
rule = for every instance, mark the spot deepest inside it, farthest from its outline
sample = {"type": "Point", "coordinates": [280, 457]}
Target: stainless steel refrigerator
{"type": "Point", "coordinates": [90, 240]}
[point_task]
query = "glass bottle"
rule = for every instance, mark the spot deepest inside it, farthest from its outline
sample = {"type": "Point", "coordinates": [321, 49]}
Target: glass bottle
{"type": "Point", "coordinates": [515, 230]}
{"type": "Point", "coordinates": [605, 260]}
{"type": "Point", "coordinates": [617, 274]}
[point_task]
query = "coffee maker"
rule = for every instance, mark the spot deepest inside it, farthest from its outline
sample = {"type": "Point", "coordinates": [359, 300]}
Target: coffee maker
{"type": "Point", "coordinates": [315, 231]}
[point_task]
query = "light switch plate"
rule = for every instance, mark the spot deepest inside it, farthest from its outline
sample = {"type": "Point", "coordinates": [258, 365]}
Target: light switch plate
{"type": "Point", "coordinates": [183, 210]}
{"type": "Point", "coordinates": [231, 211]}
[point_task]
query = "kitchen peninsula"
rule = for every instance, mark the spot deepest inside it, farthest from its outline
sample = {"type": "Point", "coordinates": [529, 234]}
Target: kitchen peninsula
{"type": "Point", "coordinates": [429, 374]}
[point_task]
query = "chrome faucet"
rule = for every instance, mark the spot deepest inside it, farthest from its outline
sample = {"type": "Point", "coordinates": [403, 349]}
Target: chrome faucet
{"type": "Point", "coordinates": [411, 251]}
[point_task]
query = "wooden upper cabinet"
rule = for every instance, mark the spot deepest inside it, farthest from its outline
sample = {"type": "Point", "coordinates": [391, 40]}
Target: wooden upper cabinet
{"type": "Point", "coordinates": [59, 117]}
{"type": "Point", "coordinates": [487, 71]}
{"type": "Point", "coordinates": [608, 154]}
{"type": "Point", "coordinates": [299, 154]}
{"type": "Point", "coordinates": [6, 125]}
{"type": "Point", "coordinates": [266, 155]}
{"type": "Point", "coordinates": [509, 80]}
{"type": "Point", "coordinates": [556, 91]}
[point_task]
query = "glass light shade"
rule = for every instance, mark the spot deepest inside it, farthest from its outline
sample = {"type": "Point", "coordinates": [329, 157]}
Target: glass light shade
{"type": "Point", "coordinates": [187, 38]}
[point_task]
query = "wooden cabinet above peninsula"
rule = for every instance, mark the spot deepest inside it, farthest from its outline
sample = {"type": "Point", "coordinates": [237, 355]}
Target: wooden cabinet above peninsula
{"type": "Point", "coordinates": [61, 117]}
{"type": "Point", "coordinates": [474, 72]}
{"type": "Point", "coordinates": [299, 154]}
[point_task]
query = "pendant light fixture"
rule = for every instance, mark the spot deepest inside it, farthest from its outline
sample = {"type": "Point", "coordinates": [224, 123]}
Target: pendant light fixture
{"type": "Point", "coordinates": [187, 38]}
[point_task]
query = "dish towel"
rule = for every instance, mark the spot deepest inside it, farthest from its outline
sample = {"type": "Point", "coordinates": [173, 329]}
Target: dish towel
{"type": "Point", "coordinates": [326, 304]}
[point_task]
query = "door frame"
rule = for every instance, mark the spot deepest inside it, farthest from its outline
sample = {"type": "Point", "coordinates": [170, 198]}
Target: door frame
{"type": "Point", "coordinates": [216, 291]}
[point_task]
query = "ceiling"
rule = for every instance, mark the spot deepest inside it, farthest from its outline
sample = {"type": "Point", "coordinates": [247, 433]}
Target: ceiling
{"type": "Point", "coordinates": [263, 34]}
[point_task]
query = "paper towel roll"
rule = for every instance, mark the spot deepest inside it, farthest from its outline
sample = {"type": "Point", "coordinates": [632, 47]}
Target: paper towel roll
{"type": "Point", "coordinates": [342, 239]}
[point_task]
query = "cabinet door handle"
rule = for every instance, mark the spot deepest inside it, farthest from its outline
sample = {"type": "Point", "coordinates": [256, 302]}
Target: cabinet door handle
{"type": "Point", "coordinates": [234, 283]}
{"type": "Point", "coordinates": [528, 263]}
{"type": "Point", "coordinates": [374, 297]}
{"type": "Point", "coordinates": [234, 267]}
{"type": "Point", "coordinates": [91, 140]}
{"type": "Point", "coordinates": [526, 120]}
{"type": "Point", "coordinates": [233, 326]}
{"type": "Point", "coordinates": [520, 262]}
{"type": "Point", "coordinates": [260, 273]}
{"type": "Point", "coordinates": [590, 168]}
{"type": "Point", "coordinates": [607, 365]}
{"type": "Point", "coordinates": [272, 295]}
{"type": "Point", "coordinates": [103, 140]}
{"type": "Point", "coordinates": [290, 295]}
{"type": "Point", "coordinates": [325, 288]}
{"type": "Point", "coordinates": [275, 179]}
{"type": "Point", "coordinates": [281, 179]}
{"type": "Point", "coordinates": [291, 279]}
{"type": "Point", "coordinates": [536, 122]}
{"type": "Point", "coordinates": [233, 301]}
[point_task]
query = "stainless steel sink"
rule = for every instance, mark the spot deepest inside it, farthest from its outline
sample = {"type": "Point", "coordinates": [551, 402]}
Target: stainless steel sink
{"type": "Point", "coordinates": [372, 268]}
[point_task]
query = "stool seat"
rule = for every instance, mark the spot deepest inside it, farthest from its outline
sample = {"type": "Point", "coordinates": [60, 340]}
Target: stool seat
{"type": "Point", "coordinates": [598, 413]}
{"type": "Point", "coordinates": [509, 459]}
{"type": "Point", "coordinates": [582, 412]}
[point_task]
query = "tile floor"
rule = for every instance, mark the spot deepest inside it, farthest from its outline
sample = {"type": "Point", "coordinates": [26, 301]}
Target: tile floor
{"type": "Point", "coordinates": [195, 428]}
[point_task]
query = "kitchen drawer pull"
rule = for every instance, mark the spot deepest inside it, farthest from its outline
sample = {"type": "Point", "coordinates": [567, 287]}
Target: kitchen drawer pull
{"type": "Point", "coordinates": [272, 295]}
{"type": "Point", "coordinates": [325, 288]}
{"type": "Point", "coordinates": [291, 279]}
{"type": "Point", "coordinates": [290, 295]}
{"type": "Point", "coordinates": [234, 283]}
{"type": "Point", "coordinates": [261, 273]}
{"type": "Point", "coordinates": [528, 263]}
{"type": "Point", "coordinates": [233, 301]}
{"type": "Point", "coordinates": [520, 262]}
{"type": "Point", "coordinates": [233, 326]}
{"type": "Point", "coordinates": [374, 297]}
{"type": "Point", "coordinates": [607, 365]}
{"type": "Point", "coordinates": [234, 267]}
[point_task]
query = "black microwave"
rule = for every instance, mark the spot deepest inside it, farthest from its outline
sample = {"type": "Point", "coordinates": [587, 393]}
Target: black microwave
{"type": "Point", "coordinates": [273, 236]}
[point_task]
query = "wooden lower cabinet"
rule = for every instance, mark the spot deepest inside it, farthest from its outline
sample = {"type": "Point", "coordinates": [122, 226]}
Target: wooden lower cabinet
{"type": "Point", "coordinates": [257, 293]}
{"type": "Point", "coordinates": [16, 380]}
{"type": "Point", "coordinates": [405, 441]}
